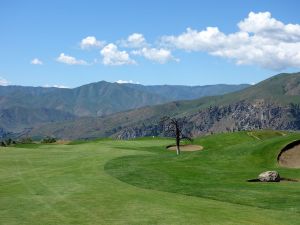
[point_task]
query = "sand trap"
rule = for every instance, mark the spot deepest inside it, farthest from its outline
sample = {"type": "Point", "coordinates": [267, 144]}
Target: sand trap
{"type": "Point", "coordinates": [290, 155]}
{"type": "Point", "coordinates": [186, 148]}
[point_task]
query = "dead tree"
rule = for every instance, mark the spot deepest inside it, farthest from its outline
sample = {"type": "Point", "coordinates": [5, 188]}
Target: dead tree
{"type": "Point", "coordinates": [174, 127]}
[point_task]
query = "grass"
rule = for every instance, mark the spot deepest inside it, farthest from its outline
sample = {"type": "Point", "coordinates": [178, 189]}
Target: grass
{"type": "Point", "coordinates": [76, 184]}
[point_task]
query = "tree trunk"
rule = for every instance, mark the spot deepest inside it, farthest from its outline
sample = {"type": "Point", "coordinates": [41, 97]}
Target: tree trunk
{"type": "Point", "coordinates": [177, 149]}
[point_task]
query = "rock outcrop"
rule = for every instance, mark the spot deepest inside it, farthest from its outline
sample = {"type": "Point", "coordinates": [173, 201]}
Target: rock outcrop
{"type": "Point", "coordinates": [269, 176]}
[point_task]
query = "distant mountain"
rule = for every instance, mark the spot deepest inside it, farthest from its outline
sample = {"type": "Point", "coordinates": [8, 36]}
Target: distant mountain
{"type": "Point", "coordinates": [26, 107]}
{"type": "Point", "coordinates": [103, 98]}
{"type": "Point", "coordinates": [273, 103]}
{"type": "Point", "coordinates": [181, 92]}
{"type": "Point", "coordinates": [18, 118]}
{"type": "Point", "coordinates": [94, 99]}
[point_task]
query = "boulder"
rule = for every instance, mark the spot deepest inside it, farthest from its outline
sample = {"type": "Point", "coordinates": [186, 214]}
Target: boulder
{"type": "Point", "coordinates": [269, 176]}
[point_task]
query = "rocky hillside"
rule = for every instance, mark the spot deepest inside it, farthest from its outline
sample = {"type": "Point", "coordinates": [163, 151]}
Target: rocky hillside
{"type": "Point", "coordinates": [234, 117]}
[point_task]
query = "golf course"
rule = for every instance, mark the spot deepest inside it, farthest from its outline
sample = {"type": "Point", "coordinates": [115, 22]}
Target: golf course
{"type": "Point", "coordinates": [139, 181]}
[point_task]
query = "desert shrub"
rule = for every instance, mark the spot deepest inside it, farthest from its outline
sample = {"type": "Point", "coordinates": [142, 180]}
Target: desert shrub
{"type": "Point", "coordinates": [3, 143]}
{"type": "Point", "coordinates": [7, 142]}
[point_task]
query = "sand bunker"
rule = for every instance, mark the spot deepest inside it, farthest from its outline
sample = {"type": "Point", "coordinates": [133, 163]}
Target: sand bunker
{"type": "Point", "coordinates": [290, 155]}
{"type": "Point", "coordinates": [186, 148]}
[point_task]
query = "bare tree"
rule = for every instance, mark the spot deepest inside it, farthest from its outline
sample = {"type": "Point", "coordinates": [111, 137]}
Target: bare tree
{"type": "Point", "coordinates": [174, 127]}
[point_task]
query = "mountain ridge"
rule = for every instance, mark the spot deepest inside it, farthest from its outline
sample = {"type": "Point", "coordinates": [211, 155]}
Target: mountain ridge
{"type": "Point", "coordinates": [95, 99]}
{"type": "Point", "coordinates": [273, 103]}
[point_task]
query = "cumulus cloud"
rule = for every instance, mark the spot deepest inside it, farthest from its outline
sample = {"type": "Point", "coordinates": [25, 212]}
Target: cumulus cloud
{"type": "Point", "coordinates": [193, 40]}
{"type": "Point", "coordinates": [158, 55]}
{"type": "Point", "coordinates": [3, 82]}
{"type": "Point", "coordinates": [70, 60]}
{"type": "Point", "coordinates": [36, 61]}
{"type": "Point", "coordinates": [127, 82]}
{"type": "Point", "coordinates": [135, 40]}
{"type": "Point", "coordinates": [91, 42]}
{"type": "Point", "coordinates": [114, 57]}
{"type": "Point", "coordinates": [263, 24]}
{"type": "Point", "coordinates": [261, 40]}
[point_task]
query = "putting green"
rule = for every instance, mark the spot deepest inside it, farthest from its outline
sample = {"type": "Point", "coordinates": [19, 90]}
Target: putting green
{"type": "Point", "coordinates": [67, 184]}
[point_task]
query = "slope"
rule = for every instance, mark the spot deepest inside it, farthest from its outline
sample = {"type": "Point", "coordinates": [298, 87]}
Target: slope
{"type": "Point", "coordinates": [225, 164]}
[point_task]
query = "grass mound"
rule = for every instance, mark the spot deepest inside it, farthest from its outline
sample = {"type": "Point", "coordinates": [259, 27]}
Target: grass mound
{"type": "Point", "coordinates": [266, 134]}
{"type": "Point", "coordinates": [217, 172]}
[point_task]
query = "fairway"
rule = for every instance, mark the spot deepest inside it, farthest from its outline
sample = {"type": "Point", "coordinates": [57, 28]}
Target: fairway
{"type": "Point", "coordinates": [139, 182]}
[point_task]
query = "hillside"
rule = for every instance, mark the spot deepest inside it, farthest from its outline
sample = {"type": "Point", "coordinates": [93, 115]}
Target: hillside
{"type": "Point", "coordinates": [273, 103]}
{"type": "Point", "coordinates": [18, 118]}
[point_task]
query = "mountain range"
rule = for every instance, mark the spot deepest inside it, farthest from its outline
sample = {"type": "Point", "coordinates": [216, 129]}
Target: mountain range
{"type": "Point", "coordinates": [270, 104]}
{"type": "Point", "coordinates": [24, 108]}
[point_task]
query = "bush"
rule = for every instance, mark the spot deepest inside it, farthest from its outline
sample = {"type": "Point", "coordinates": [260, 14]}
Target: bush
{"type": "Point", "coordinates": [48, 140]}
{"type": "Point", "coordinates": [7, 142]}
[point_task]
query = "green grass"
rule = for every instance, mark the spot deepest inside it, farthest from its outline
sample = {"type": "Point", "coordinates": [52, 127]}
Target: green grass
{"type": "Point", "coordinates": [266, 134]}
{"type": "Point", "coordinates": [139, 182]}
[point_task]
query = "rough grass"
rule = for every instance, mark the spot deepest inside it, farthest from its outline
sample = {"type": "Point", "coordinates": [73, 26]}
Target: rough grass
{"type": "Point", "coordinates": [67, 184]}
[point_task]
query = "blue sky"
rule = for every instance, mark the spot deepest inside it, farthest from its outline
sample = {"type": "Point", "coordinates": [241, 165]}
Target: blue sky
{"type": "Point", "coordinates": [70, 43]}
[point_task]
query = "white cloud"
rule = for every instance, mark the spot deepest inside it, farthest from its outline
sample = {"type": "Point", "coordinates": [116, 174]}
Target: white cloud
{"type": "Point", "coordinates": [192, 40]}
{"type": "Point", "coordinates": [158, 55]}
{"type": "Point", "coordinates": [36, 61]}
{"type": "Point", "coordinates": [261, 40]}
{"type": "Point", "coordinates": [91, 42]}
{"type": "Point", "coordinates": [3, 82]}
{"type": "Point", "coordinates": [127, 82]}
{"type": "Point", "coordinates": [263, 24]}
{"type": "Point", "coordinates": [135, 40]}
{"type": "Point", "coordinates": [55, 86]}
{"type": "Point", "coordinates": [112, 56]}
{"type": "Point", "coordinates": [70, 60]}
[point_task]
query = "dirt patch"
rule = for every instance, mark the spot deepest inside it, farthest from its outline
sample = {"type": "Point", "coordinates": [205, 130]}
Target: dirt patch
{"type": "Point", "coordinates": [290, 155]}
{"type": "Point", "coordinates": [186, 148]}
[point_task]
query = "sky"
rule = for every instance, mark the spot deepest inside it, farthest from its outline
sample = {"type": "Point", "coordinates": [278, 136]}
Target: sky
{"type": "Point", "coordinates": [71, 43]}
